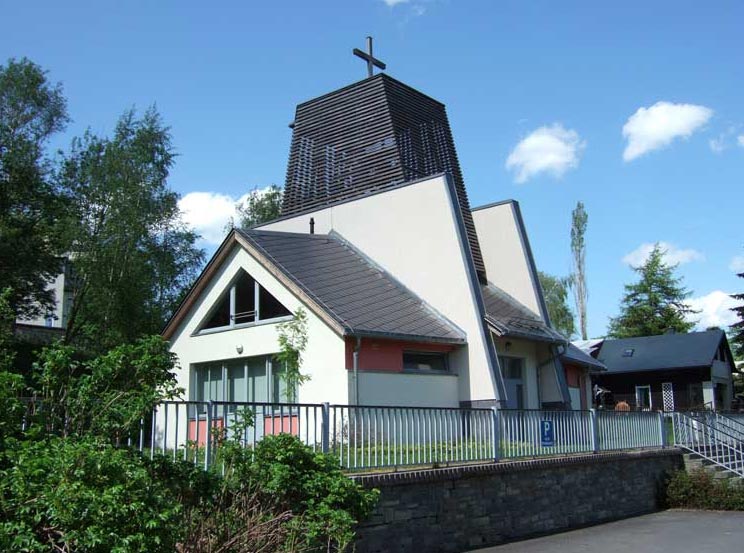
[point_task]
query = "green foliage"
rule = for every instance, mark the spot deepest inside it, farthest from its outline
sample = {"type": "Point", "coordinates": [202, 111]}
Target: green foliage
{"type": "Point", "coordinates": [311, 485]}
{"type": "Point", "coordinates": [132, 255]}
{"type": "Point", "coordinates": [84, 495]}
{"type": "Point", "coordinates": [654, 304]}
{"type": "Point", "coordinates": [579, 219]}
{"type": "Point", "coordinates": [555, 290]}
{"type": "Point", "coordinates": [31, 111]}
{"type": "Point", "coordinates": [260, 206]}
{"type": "Point", "coordinates": [700, 490]}
{"type": "Point", "coordinates": [292, 344]}
{"type": "Point", "coordinates": [11, 385]}
{"type": "Point", "coordinates": [106, 396]}
{"type": "Point", "coordinates": [737, 329]}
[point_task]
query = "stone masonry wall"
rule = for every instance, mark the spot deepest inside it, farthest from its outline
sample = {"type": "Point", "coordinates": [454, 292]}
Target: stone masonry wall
{"type": "Point", "coordinates": [461, 508]}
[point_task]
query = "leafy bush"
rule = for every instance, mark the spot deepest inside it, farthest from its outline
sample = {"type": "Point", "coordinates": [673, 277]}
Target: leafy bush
{"type": "Point", "coordinates": [106, 396]}
{"type": "Point", "coordinates": [310, 485]}
{"type": "Point", "coordinates": [65, 494]}
{"type": "Point", "coordinates": [700, 490]}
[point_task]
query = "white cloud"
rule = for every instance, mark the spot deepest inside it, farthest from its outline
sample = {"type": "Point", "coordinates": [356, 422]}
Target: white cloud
{"type": "Point", "coordinates": [657, 126]}
{"type": "Point", "coordinates": [208, 213]}
{"type": "Point", "coordinates": [737, 264]}
{"type": "Point", "coordinates": [672, 254]}
{"type": "Point", "coordinates": [740, 140]}
{"type": "Point", "coordinates": [553, 150]}
{"type": "Point", "coordinates": [715, 310]}
{"type": "Point", "coordinates": [717, 145]}
{"type": "Point", "coordinates": [395, 2]}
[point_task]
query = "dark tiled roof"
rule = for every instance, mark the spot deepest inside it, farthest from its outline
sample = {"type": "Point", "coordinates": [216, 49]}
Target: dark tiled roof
{"type": "Point", "coordinates": [360, 296]}
{"type": "Point", "coordinates": [575, 355]}
{"type": "Point", "coordinates": [667, 351]}
{"type": "Point", "coordinates": [508, 317]}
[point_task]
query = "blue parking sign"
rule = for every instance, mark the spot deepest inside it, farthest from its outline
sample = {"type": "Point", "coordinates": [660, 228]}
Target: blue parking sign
{"type": "Point", "coordinates": [547, 435]}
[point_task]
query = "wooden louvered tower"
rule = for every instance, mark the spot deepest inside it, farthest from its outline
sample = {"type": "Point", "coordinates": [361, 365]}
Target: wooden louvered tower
{"type": "Point", "coordinates": [367, 137]}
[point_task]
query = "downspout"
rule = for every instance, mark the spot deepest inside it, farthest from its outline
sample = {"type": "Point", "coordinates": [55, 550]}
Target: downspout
{"type": "Point", "coordinates": [355, 362]}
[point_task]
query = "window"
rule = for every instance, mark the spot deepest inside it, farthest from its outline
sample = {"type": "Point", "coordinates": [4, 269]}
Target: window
{"type": "Point", "coordinates": [512, 367]}
{"type": "Point", "coordinates": [233, 380]}
{"type": "Point", "coordinates": [424, 361]}
{"type": "Point", "coordinates": [643, 398]}
{"type": "Point", "coordinates": [628, 352]}
{"type": "Point", "coordinates": [244, 302]}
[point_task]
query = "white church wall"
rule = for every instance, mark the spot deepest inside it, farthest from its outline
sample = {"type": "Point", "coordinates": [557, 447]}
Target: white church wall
{"type": "Point", "coordinates": [412, 232]}
{"type": "Point", "coordinates": [504, 252]}
{"type": "Point", "coordinates": [323, 360]}
{"type": "Point", "coordinates": [411, 390]}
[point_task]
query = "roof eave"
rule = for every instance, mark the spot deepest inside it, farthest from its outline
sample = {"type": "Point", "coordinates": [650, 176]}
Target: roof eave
{"type": "Point", "coordinates": [406, 337]}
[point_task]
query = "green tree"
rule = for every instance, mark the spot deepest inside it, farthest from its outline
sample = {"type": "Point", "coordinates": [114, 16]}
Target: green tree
{"type": "Point", "coordinates": [579, 220]}
{"type": "Point", "coordinates": [555, 291]}
{"type": "Point", "coordinates": [655, 304]}
{"type": "Point", "coordinates": [260, 206]}
{"type": "Point", "coordinates": [737, 329]}
{"type": "Point", "coordinates": [31, 110]}
{"type": "Point", "coordinates": [132, 255]}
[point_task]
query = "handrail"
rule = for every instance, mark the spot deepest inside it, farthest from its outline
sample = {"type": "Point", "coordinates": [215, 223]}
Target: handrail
{"type": "Point", "coordinates": [703, 439]}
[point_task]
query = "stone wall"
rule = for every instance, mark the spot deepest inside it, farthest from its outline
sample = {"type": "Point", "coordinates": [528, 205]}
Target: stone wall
{"type": "Point", "coordinates": [461, 508]}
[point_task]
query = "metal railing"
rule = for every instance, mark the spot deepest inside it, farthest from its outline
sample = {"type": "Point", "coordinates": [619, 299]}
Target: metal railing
{"type": "Point", "coordinates": [374, 437]}
{"type": "Point", "coordinates": [371, 437]}
{"type": "Point", "coordinates": [709, 440]}
{"type": "Point", "coordinates": [522, 433]}
{"type": "Point", "coordinates": [629, 429]}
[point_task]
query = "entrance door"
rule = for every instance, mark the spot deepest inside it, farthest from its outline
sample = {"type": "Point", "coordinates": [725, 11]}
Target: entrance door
{"type": "Point", "coordinates": [513, 371]}
{"type": "Point", "coordinates": [643, 398]}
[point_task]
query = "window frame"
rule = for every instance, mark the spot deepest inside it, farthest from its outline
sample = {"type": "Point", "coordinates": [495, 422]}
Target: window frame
{"type": "Point", "coordinates": [650, 397]}
{"type": "Point", "coordinates": [444, 355]}
{"type": "Point", "coordinates": [231, 291]}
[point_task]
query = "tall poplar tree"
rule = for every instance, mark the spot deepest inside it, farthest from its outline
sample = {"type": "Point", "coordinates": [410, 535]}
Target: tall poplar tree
{"type": "Point", "coordinates": [579, 220]}
{"type": "Point", "coordinates": [655, 304]}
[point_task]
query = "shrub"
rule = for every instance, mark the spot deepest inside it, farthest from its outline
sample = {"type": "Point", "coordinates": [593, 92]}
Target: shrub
{"type": "Point", "coordinates": [700, 490]}
{"type": "Point", "coordinates": [64, 494]}
{"type": "Point", "coordinates": [106, 396]}
{"type": "Point", "coordinates": [293, 478]}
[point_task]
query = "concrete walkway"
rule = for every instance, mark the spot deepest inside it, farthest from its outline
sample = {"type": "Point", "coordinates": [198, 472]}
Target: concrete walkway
{"type": "Point", "coordinates": [677, 531]}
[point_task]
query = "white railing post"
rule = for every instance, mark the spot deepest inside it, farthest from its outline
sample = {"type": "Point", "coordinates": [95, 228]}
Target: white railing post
{"type": "Point", "coordinates": [662, 433]}
{"type": "Point", "coordinates": [325, 429]}
{"type": "Point", "coordinates": [495, 434]}
{"type": "Point", "coordinates": [594, 430]}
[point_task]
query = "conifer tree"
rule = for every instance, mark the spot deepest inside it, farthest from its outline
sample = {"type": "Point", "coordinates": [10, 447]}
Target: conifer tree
{"type": "Point", "coordinates": [655, 304]}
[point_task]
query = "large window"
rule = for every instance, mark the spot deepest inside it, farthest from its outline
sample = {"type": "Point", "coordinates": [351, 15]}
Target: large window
{"type": "Point", "coordinates": [252, 379]}
{"type": "Point", "coordinates": [424, 361]}
{"type": "Point", "coordinates": [244, 302]}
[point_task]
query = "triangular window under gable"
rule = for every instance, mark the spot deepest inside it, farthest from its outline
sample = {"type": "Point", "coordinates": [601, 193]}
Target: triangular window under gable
{"type": "Point", "coordinates": [244, 302]}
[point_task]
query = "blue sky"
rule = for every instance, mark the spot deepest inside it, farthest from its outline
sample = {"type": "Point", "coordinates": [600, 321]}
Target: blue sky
{"type": "Point", "coordinates": [538, 94]}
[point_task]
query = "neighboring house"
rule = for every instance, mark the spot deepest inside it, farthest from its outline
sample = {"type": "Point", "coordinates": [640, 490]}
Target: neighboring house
{"type": "Point", "coordinates": [412, 298]}
{"type": "Point", "coordinates": [51, 325]}
{"type": "Point", "coordinates": [668, 372]}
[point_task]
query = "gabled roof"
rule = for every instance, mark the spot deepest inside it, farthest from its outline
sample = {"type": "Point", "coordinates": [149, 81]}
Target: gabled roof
{"type": "Point", "coordinates": [361, 297]}
{"type": "Point", "coordinates": [666, 351]}
{"type": "Point", "coordinates": [508, 317]}
{"type": "Point", "coordinates": [577, 356]}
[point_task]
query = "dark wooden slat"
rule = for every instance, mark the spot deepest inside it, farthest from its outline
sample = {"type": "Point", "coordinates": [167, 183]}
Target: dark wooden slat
{"type": "Point", "coordinates": [367, 137]}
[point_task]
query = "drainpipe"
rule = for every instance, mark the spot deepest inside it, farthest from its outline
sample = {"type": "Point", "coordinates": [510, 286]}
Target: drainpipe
{"type": "Point", "coordinates": [357, 346]}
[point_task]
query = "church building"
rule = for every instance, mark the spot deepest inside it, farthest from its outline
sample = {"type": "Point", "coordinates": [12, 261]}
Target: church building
{"type": "Point", "coordinates": [412, 296]}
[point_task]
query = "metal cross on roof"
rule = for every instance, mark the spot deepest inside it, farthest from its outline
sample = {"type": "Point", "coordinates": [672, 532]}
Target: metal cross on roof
{"type": "Point", "coordinates": [372, 62]}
